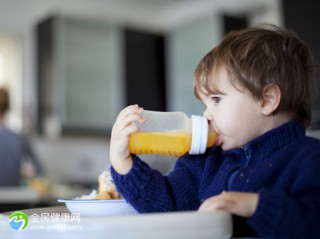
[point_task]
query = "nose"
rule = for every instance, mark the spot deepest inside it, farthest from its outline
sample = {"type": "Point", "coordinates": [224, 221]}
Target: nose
{"type": "Point", "coordinates": [208, 115]}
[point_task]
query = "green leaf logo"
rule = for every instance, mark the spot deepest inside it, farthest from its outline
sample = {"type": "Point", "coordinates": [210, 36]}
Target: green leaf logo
{"type": "Point", "coordinates": [18, 220]}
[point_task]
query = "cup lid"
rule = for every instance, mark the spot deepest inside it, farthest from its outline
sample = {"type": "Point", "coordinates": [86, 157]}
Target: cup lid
{"type": "Point", "coordinates": [199, 134]}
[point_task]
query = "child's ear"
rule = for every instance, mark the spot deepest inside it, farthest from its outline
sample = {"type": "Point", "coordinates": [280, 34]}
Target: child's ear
{"type": "Point", "coordinates": [271, 97]}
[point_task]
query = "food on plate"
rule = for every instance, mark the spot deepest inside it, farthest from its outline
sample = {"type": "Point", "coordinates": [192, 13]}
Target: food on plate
{"type": "Point", "coordinates": [106, 189]}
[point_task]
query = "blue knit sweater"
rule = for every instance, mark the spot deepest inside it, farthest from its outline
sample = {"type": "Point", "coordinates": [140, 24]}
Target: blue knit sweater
{"type": "Point", "coordinates": [283, 166]}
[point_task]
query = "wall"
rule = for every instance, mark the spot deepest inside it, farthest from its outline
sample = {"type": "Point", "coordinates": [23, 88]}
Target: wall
{"type": "Point", "coordinates": [189, 42]}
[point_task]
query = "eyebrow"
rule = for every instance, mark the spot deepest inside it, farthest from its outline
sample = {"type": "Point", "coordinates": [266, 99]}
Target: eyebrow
{"type": "Point", "coordinates": [215, 90]}
{"type": "Point", "coordinates": [205, 93]}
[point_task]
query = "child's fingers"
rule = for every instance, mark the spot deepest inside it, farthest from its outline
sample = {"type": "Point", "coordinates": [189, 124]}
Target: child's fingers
{"type": "Point", "coordinates": [129, 110]}
{"type": "Point", "coordinates": [132, 128]}
{"type": "Point", "coordinates": [127, 125]}
{"type": "Point", "coordinates": [238, 203]}
{"type": "Point", "coordinates": [217, 203]}
{"type": "Point", "coordinates": [128, 116]}
{"type": "Point", "coordinates": [124, 126]}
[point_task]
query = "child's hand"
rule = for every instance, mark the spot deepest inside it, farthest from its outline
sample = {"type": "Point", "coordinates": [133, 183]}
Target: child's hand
{"type": "Point", "coordinates": [120, 157]}
{"type": "Point", "coordinates": [238, 203]}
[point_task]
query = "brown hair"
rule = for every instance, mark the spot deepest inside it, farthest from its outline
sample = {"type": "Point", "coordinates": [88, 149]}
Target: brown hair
{"type": "Point", "coordinates": [259, 56]}
{"type": "Point", "coordinates": [4, 101]}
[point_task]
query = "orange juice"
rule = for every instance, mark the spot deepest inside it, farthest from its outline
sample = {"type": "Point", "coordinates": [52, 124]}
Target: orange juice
{"type": "Point", "coordinates": [212, 137]}
{"type": "Point", "coordinates": [168, 143]}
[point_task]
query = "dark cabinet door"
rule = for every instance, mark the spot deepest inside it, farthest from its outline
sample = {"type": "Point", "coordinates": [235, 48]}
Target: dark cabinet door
{"type": "Point", "coordinates": [145, 70]}
{"type": "Point", "coordinates": [304, 18]}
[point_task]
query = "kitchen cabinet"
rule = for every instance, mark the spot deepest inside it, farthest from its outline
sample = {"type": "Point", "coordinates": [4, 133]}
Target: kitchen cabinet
{"type": "Point", "coordinates": [89, 70]}
{"type": "Point", "coordinates": [302, 17]}
{"type": "Point", "coordinates": [145, 69]}
{"type": "Point", "coordinates": [80, 83]}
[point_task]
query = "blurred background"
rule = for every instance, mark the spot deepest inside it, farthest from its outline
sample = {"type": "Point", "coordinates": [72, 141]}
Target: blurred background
{"type": "Point", "coordinates": [71, 66]}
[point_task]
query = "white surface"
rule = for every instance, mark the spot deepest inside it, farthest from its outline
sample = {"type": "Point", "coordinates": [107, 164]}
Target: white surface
{"type": "Point", "coordinates": [182, 225]}
{"type": "Point", "coordinates": [98, 207]}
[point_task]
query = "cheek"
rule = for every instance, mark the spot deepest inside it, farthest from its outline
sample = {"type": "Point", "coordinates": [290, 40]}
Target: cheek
{"type": "Point", "coordinates": [230, 120]}
{"type": "Point", "coordinates": [224, 120]}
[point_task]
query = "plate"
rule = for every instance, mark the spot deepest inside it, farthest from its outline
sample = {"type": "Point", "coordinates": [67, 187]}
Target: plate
{"type": "Point", "coordinates": [98, 207]}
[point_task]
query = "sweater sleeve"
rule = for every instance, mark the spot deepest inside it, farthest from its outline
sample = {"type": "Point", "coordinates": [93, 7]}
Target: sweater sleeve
{"type": "Point", "coordinates": [147, 190]}
{"type": "Point", "coordinates": [268, 213]}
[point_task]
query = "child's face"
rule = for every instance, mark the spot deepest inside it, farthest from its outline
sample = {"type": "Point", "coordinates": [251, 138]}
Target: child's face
{"type": "Point", "coordinates": [232, 112]}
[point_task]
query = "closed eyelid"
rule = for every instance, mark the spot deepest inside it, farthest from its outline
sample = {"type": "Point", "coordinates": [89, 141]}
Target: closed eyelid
{"type": "Point", "coordinates": [213, 95]}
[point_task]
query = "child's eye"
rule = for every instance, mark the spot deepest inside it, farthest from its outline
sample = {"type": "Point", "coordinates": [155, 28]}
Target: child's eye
{"type": "Point", "coordinates": [216, 99]}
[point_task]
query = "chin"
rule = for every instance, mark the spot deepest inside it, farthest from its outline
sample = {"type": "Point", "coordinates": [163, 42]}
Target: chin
{"type": "Point", "coordinates": [224, 147]}
{"type": "Point", "coordinates": [227, 147]}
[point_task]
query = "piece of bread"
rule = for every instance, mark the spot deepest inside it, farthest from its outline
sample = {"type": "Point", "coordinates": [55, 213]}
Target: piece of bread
{"type": "Point", "coordinates": [103, 195]}
{"type": "Point", "coordinates": [107, 189]}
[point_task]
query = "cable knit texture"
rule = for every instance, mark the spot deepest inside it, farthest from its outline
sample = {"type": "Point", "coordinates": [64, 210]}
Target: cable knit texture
{"type": "Point", "coordinates": [283, 166]}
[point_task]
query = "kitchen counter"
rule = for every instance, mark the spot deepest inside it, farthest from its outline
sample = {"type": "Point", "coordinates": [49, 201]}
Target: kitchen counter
{"type": "Point", "coordinates": [15, 198]}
